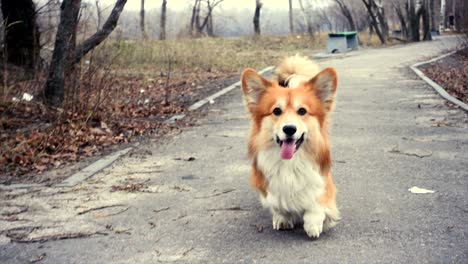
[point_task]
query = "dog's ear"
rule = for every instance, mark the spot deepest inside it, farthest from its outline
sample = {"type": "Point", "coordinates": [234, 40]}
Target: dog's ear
{"type": "Point", "coordinates": [324, 86]}
{"type": "Point", "coordinates": [253, 86]}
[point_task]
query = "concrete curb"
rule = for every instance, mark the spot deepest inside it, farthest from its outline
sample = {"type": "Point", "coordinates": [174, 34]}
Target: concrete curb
{"type": "Point", "coordinates": [434, 85]}
{"type": "Point", "coordinates": [92, 169]}
{"type": "Point", "coordinates": [210, 98]}
{"type": "Point", "coordinates": [78, 177]}
{"type": "Point", "coordinates": [104, 162]}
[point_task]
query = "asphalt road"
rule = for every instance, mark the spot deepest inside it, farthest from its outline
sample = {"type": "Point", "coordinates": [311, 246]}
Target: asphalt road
{"type": "Point", "coordinates": [188, 200]}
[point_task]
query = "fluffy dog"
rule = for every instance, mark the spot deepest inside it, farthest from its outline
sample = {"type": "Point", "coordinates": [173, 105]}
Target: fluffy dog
{"type": "Point", "coordinates": [289, 145]}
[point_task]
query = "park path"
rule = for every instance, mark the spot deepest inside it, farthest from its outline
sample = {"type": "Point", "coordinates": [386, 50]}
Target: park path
{"type": "Point", "coordinates": [188, 200]}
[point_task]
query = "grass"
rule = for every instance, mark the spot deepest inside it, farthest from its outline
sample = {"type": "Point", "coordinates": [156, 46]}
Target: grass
{"type": "Point", "coordinates": [220, 54]}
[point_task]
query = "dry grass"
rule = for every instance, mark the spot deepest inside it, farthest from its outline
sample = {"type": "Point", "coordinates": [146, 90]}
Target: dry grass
{"type": "Point", "coordinates": [367, 40]}
{"type": "Point", "coordinates": [220, 54]}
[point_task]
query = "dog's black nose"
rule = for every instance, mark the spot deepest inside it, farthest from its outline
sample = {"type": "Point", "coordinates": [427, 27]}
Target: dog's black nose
{"type": "Point", "coordinates": [289, 130]}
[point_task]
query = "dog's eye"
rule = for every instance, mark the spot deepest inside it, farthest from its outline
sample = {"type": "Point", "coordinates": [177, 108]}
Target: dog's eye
{"type": "Point", "coordinates": [301, 111]}
{"type": "Point", "coordinates": [277, 111]}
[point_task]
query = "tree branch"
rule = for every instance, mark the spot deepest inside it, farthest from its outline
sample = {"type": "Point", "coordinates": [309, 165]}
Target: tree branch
{"type": "Point", "coordinates": [101, 34]}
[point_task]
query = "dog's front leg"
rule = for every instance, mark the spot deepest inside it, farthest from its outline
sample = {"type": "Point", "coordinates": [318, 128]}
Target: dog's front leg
{"type": "Point", "coordinates": [281, 221]}
{"type": "Point", "coordinates": [313, 221]}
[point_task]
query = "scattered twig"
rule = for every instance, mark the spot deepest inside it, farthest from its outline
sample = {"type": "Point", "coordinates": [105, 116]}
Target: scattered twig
{"type": "Point", "coordinates": [22, 209]}
{"type": "Point", "coordinates": [259, 228]}
{"type": "Point", "coordinates": [116, 213]}
{"type": "Point", "coordinates": [123, 231]}
{"type": "Point", "coordinates": [139, 172]}
{"type": "Point", "coordinates": [415, 153]}
{"type": "Point", "coordinates": [161, 209]}
{"type": "Point", "coordinates": [179, 217]}
{"type": "Point", "coordinates": [37, 258]}
{"type": "Point", "coordinates": [216, 194]}
{"type": "Point", "coordinates": [187, 251]}
{"type": "Point", "coordinates": [56, 237]}
{"type": "Point", "coordinates": [235, 208]}
{"type": "Point", "coordinates": [99, 208]}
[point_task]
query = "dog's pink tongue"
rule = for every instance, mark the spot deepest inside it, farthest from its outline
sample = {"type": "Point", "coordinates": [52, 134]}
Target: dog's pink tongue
{"type": "Point", "coordinates": [287, 150]}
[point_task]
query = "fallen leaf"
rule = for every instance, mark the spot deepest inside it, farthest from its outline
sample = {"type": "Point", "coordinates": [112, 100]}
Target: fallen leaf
{"type": "Point", "coordinates": [415, 189]}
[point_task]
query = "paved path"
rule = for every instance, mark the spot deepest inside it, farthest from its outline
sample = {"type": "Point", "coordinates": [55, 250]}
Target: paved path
{"type": "Point", "coordinates": [188, 200]}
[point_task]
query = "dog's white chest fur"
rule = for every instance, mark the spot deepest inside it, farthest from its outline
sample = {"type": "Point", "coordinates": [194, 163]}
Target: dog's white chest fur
{"type": "Point", "coordinates": [293, 185]}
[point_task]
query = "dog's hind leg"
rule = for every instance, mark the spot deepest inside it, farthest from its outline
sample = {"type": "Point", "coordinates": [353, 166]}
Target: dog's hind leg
{"type": "Point", "coordinates": [332, 216]}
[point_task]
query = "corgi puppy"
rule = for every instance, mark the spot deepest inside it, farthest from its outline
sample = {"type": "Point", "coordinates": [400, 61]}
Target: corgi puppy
{"type": "Point", "coordinates": [289, 145]}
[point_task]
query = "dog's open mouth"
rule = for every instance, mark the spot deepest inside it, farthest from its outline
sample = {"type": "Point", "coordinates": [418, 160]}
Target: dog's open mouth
{"type": "Point", "coordinates": [289, 146]}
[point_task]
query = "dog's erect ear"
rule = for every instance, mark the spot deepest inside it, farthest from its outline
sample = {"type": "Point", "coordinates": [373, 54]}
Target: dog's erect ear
{"type": "Point", "coordinates": [253, 86]}
{"type": "Point", "coordinates": [324, 85]}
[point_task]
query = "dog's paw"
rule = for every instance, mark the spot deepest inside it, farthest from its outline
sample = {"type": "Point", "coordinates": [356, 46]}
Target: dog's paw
{"type": "Point", "coordinates": [282, 222]}
{"type": "Point", "coordinates": [313, 224]}
{"type": "Point", "coordinates": [313, 230]}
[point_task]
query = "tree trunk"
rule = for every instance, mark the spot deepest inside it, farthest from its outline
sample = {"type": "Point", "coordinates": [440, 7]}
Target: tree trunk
{"type": "Point", "coordinates": [413, 20]}
{"type": "Point", "coordinates": [54, 87]}
{"type": "Point", "coordinates": [371, 8]}
{"type": "Point", "coordinates": [442, 24]}
{"type": "Point", "coordinates": [432, 14]}
{"type": "Point", "coordinates": [401, 18]}
{"type": "Point", "coordinates": [100, 35]}
{"type": "Point", "coordinates": [209, 20]}
{"type": "Point", "coordinates": [21, 33]}
{"type": "Point", "coordinates": [162, 25]}
{"type": "Point", "coordinates": [291, 20]}
{"type": "Point", "coordinates": [425, 13]}
{"type": "Point", "coordinates": [142, 20]}
{"type": "Point", "coordinates": [382, 19]}
{"type": "Point", "coordinates": [256, 18]}
{"type": "Point", "coordinates": [99, 15]}
{"type": "Point", "coordinates": [209, 26]}
{"type": "Point", "coordinates": [63, 57]}
{"type": "Point", "coordinates": [192, 19]}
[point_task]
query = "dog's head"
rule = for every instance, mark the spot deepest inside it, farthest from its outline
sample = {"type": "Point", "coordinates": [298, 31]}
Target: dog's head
{"type": "Point", "coordinates": [287, 118]}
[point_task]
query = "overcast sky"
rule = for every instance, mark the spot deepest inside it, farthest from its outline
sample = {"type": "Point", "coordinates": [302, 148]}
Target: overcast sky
{"type": "Point", "coordinates": [184, 4]}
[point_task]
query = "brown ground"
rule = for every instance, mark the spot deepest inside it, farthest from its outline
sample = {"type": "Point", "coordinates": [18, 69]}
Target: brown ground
{"type": "Point", "coordinates": [451, 73]}
{"type": "Point", "coordinates": [35, 139]}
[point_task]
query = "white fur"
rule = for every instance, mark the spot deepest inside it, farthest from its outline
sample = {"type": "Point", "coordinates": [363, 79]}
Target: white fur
{"type": "Point", "coordinates": [295, 70]}
{"type": "Point", "coordinates": [293, 189]}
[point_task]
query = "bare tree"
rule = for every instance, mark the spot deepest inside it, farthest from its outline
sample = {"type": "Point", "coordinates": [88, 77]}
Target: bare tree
{"type": "Point", "coordinates": [401, 18]}
{"type": "Point", "coordinates": [442, 25]}
{"type": "Point", "coordinates": [162, 24]}
{"type": "Point", "coordinates": [306, 16]}
{"type": "Point", "coordinates": [291, 18]}
{"type": "Point", "coordinates": [194, 17]}
{"type": "Point", "coordinates": [347, 14]}
{"type": "Point", "coordinates": [256, 18]}
{"type": "Point", "coordinates": [53, 89]}
{"type": "Point", "coordinates": [64, 56]}
{"type": "Point", "coordinates": [142, 20]}
{"type": "Point", "coordinates": [21, 33]}
{"type": "Point", "coordinates": [378, 20]}
{"type": "Point", "coordinates": [432, 14]}
{"type": "Point", "coordinates": [98, 14]}
{"type": "Point", "coordinates": [417, 9]}
{"type": "Point", "coordinates": [196, 25]}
